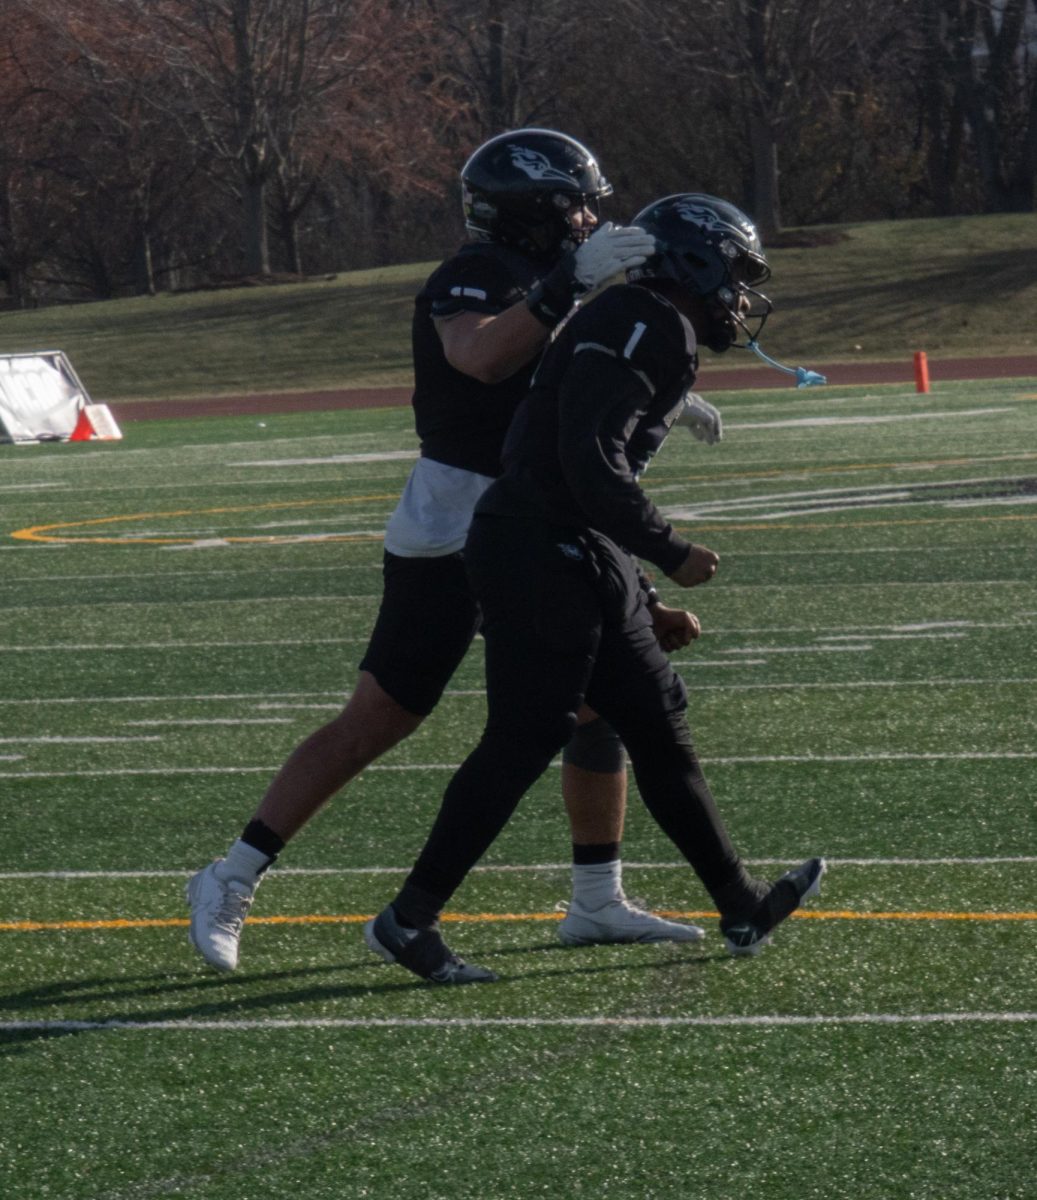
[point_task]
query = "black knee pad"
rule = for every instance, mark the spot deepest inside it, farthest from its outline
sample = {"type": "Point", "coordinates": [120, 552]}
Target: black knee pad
{"type": "Point", "coordinates": [595, 746]}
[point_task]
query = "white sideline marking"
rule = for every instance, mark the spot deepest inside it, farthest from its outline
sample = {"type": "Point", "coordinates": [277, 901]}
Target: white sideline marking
{"type": "Point", "coordinates": [506, 869]}
{"type": "Point", "coordinates": [729, 1022]}
{"type": "Point", "coordinates": [877, 419]}
{"type": "Point", "coordinates": [730, 760]}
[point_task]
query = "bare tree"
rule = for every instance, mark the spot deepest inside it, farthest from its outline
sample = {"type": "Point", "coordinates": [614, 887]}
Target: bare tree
{"type": "Point", "coordinates": [980, 96]}
{"type": "Point", "coordinates": [254, 75]}
{"type": "Point", "coordinates": [507, 57]}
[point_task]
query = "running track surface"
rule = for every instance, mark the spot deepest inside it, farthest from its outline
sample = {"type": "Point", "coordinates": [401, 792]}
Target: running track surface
{"type": "Point", "coordinates": [839, 374]}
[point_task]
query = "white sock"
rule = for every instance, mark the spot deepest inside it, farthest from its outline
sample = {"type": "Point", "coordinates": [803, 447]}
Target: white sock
{"type": "Point", "coordinates": [243, 862]}
{"type": "Point", "coordinates": [597, 884]}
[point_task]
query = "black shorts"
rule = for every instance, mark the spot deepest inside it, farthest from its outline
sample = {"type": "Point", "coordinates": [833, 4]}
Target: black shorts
{"type": "Point", "coordinates": [565, 622]}
{"type": "Point", "coordinates": [426, 622]}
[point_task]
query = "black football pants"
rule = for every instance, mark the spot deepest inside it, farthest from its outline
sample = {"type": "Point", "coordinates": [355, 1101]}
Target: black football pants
{"type": "Point", "coordinates": [565, 621]}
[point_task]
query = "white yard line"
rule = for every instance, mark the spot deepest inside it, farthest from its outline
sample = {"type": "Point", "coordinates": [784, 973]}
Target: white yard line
{"type": "Point", "coordinates": [732, 760]}
{"type": "Point", "coordinates": [761, 1021]}
{"type": "Point", "coordinates": [858, 645]}
{"type": "Point", "coordinates": [303, 699]}
{"type": "Point", "coordinates": [188, 574]}
{"type": "Point", "coordinates": [177, 721]}
{"type": "Point", "coordinates": [289, 601]}
{"type": "Point", "coordinates": [534, 868]}
{"type": "Point", "coordinates": [179, 645]}
{"type": "Point", "coordinates": [876, 419]}
{"type": "Point", "coordinates": [61, 740]}
{"type": "Point", "coordinates": [333, 460]}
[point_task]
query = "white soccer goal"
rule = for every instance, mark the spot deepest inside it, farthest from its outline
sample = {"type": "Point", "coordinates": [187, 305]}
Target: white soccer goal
{"type": "Point", "coordinates": [43, 400]}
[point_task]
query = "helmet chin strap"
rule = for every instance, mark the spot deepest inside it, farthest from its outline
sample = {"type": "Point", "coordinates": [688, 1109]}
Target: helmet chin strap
{"type": "Point", "coordinates": [804, 378]}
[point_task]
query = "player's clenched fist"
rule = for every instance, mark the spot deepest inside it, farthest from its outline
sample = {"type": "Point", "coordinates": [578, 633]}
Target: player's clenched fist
{"type": "Point", "coordinates": [699, 567]}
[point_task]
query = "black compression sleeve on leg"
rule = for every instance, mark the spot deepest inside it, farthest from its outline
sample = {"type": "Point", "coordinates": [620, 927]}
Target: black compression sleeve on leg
{"type": "Point", "coordinates": [677, 795]}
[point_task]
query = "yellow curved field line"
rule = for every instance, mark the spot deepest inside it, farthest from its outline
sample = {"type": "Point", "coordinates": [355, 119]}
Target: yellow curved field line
{"type": "Point", "coordinates": [49, 534]}
{"type": "Point", "coordinates": [493, 918]}
{"type": "Point", "coordinates": [45, 533]}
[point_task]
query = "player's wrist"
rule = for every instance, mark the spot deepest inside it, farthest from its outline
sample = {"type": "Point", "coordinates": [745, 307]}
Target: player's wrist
{"type": "Point", "coordinates": [553, 297]}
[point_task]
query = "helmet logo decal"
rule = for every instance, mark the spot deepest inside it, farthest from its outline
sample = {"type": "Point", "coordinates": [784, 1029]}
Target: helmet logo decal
{"type": "Point", "coordinates": [706, 217]}
{"type": "Point", "coordinates": [536, 165]}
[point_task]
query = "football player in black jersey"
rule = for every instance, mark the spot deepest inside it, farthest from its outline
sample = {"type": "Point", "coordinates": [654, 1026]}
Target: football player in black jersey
{"type": "Point", "coordinates": [530, 200]}
{"type": "Point", "coordinates": [568, 617]}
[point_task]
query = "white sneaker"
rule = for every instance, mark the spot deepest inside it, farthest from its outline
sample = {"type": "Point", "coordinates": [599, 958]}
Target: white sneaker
{"type": "Point", "coordinates": [621, 921]}
{"type": "Point", "coordinates": [218, 911]}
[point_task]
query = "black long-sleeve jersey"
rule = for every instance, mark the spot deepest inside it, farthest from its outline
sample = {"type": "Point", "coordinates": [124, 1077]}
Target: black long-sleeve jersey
{"type": "Point", "coordinates": [602, 401]}
{"type": "Point", "coordinates": [461, 421]}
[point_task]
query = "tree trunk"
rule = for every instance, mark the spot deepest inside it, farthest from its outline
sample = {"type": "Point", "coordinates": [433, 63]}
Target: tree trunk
{"type": "Point", "coordinates": [495, 28]}
{"type": "Point", "coordinates": [765, 183]}
{"type": "Point", "coordinates": [257, 243]}
{"type": "Point", "coordinates": [143, 265]}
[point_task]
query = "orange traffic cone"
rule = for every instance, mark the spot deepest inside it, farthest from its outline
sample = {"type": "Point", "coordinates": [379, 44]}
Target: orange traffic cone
{"type": "Point", "coordinates": [83, 431]}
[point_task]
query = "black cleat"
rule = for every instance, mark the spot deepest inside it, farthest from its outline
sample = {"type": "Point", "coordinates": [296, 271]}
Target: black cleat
{"type": "Point", "coordinates": [748, 935]}
{"type": "Point", "coordinates": [422, 951]}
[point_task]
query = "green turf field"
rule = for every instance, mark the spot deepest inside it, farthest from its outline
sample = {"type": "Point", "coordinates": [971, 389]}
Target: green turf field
{"type": "Point", "coordinates": [179, 609]}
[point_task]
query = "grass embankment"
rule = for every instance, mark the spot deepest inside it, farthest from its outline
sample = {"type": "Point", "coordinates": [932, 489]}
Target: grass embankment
{"type": "Point", "coordinates": [953, 287]}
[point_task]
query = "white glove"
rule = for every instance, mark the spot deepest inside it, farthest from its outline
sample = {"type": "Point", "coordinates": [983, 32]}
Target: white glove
{"type": "Point", "coordinates": [702, 419]}
{"type": "Point", "coordinates": [609, 250]}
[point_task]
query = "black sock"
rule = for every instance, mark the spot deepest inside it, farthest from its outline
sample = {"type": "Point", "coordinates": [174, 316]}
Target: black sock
{"type": "Point", "coordinates": [589, 853]}
{"type": "Point", "coordinates": [416, 908]}
{"type": "Point", "coordinates": [262, 838]}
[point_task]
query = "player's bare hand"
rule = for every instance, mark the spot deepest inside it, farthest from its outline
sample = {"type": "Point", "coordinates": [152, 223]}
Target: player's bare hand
{"type": "Point", "coordinates": [699, 567]}
{"type": "Point", "coordinates": [674, 628]}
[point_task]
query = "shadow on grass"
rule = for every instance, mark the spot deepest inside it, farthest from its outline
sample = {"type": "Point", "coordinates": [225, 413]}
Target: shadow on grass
{"type": "Point", "coordinates": [233, 997]}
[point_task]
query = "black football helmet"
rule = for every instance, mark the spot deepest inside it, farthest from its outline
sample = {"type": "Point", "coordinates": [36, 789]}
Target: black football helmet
{"type": "Point", "coordinates": [521, 188]}
{"type": "Point", "coordinates": [712, 249]}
